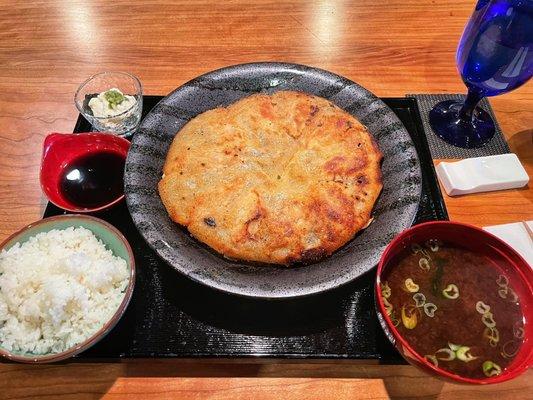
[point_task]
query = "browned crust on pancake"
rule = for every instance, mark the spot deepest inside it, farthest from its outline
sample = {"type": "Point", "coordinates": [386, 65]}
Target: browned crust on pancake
{"type": "Point", "coordinates": [279, 178]}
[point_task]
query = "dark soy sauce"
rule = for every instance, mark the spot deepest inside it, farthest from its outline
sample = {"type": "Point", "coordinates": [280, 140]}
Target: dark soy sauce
{"type": "Point", "coordinates": [93, 180]}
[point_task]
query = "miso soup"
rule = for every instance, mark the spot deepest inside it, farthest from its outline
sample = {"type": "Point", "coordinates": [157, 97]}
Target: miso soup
{"type": "Point", "coordinates": [456, 308]}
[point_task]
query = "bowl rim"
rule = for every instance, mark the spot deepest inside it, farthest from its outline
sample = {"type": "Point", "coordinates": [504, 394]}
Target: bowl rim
{"type": "Point", "coordinates": [510, 374]}
{"type": "Point", "coordinates": [136, 80]}
{"type": "Point", "coordinates": [124, 141]}
{"type": "Point", "coordinates": [109, 325]}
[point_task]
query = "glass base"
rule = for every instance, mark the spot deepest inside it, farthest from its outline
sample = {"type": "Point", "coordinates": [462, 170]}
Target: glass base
{"type": "Point", "coordinates": [445, 121]}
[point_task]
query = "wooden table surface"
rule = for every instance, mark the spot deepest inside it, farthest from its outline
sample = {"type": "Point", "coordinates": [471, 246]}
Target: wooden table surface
{"type": "Point", "coordinates": [390, 47]}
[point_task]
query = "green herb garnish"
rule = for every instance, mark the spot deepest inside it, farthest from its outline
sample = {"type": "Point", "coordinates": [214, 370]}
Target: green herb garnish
{"type": "Point", "coordinates": [114, 98]}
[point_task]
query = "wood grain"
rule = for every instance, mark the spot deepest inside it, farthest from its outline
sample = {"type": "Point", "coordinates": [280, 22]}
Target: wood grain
{"type": "Point", "coordinates": [150, 379]}
{"type": "Point", "coordinates": [48, 47]}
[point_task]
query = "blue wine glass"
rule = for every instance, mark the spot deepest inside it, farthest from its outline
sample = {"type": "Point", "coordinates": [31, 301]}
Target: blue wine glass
{"type": "Point", "coordinates": [495, 56]}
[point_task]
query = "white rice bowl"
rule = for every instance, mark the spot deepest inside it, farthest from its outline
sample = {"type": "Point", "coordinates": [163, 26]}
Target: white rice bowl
{"type": "Point", "coordinates": [58, 289]}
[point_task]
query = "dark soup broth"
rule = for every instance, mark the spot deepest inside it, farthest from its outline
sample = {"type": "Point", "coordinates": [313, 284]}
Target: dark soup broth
{"type": "Point", "coordinates": [455, 307]}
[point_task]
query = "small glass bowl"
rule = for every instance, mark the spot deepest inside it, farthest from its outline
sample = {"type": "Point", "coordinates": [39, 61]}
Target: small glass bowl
{"type": "Point", "coordinates": [123, 124]}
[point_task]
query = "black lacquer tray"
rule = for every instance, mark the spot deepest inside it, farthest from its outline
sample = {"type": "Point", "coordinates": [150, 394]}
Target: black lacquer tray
{"type": "Point", "coordinates": [172, 316]}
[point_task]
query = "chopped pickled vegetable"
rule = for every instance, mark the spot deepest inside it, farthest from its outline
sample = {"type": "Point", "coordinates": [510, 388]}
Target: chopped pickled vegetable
{"type": "Point", "coordinates": [445, 354]}
{"type": "Point", "coordinates": [409, 317]}
{"type": "Point", "coordinates": [411, 286]}
{"type": "Point", "coordinates": [432, 359]}
{"type": "Point", "coordinates": [482, 308]}
{"type": "Point", "coordinates": [424, 264]}
{"type": "Point", "coordinates": [386, 290]}
{"type": "Point", "coordinates": [429, 309]}
{"type": "Point", "coordinates": [491, 369]}
{"type": "Point", "coordinates": [451, 292]}
{"type": "Point", "coordinates": [463, 354]}
{"type": "Point", "coordinates": [419, 299]}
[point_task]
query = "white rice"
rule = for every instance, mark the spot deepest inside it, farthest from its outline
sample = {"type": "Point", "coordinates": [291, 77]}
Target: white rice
{"type": "Point", "coordinates": [58, 289]}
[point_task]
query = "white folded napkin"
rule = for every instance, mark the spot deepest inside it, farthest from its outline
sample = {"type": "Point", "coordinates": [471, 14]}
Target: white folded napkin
{"type": "Point", "coordinates": [517, 236]}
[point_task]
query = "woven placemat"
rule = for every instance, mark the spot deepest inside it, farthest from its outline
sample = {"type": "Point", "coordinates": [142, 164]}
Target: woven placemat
{"type": "Point", "coordinates": [439, 148]}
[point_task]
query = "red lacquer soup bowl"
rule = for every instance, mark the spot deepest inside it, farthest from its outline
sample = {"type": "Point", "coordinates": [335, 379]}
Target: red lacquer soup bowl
{"type": "Point", "coordinates": [501, 255]}
{"type": "Point", "coordinates": [60, 150]}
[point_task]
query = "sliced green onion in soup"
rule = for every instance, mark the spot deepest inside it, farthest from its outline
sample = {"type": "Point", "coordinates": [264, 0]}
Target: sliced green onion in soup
{"type": "Point", "coordinates": [424, 264]}
{"type": "Point", "coordinates": [429, 309]}
{"type": "Point", "coordinates": [502, 281]}
{"type": "Point", "coordinates": [416, 248]}
{"type": "Point", "coordinates": [463, 354]}
{"type": "Point", "coordinates": [488, 320]}
{"type": "Point", "coordinates": [491, 369]}
{"type": "Point", "coordinates": [385, 290]}
{"type": "Point", "coordinates": [502, 292]}
{"type": "Point", "coordinates": [411, 286]}
{"type": "Point", "coordinates": [409, 317]}
{"type": "Point", "coordinates": [518, 331]}
{"type": "Point", "coordinates": [510, 348]}
{"type": "Point", "coordinates": [433, 244]}
{"type": "Point", "coordinates": [445, 354]}
{"type": "Point", "coordinates": [482, 308]}
{"type": "Point", "coordinates": [432, 359]}
{"type": "Point", "coordinates": [451, 291]}
{"type": "Point", "coordinates": [419, 299]}
{"type": "Point", "coordinates": [388, 306]}
{"type": "Point", "coordinates": [513, 297]}
{"type": "Point", "coordinates": [493, 335]}
{"type": "Point", "coordinates": [454, 347]}
{"type": "Point", "coordinates": [395, 321]}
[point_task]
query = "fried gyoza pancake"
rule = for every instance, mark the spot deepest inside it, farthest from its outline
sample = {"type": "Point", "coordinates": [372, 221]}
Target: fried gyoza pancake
{"type": "Point", "coordinates": [279, 178]}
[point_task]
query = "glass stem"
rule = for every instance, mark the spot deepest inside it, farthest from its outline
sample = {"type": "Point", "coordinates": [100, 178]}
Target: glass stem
{"type": "Point", "coordinates": [466, 112]}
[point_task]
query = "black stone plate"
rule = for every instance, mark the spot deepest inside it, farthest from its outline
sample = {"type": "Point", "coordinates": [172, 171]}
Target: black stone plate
{"type": "Point", "coordinates": [393, 212]}
{"type": "Point", "coordinates": [171, 316]}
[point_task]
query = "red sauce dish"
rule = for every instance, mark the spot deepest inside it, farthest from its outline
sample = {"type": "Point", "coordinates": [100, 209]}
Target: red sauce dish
{"type": "Point", "coordinates": [83, 172]}
{"type": "Point", "coordinates": [452, 247]}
